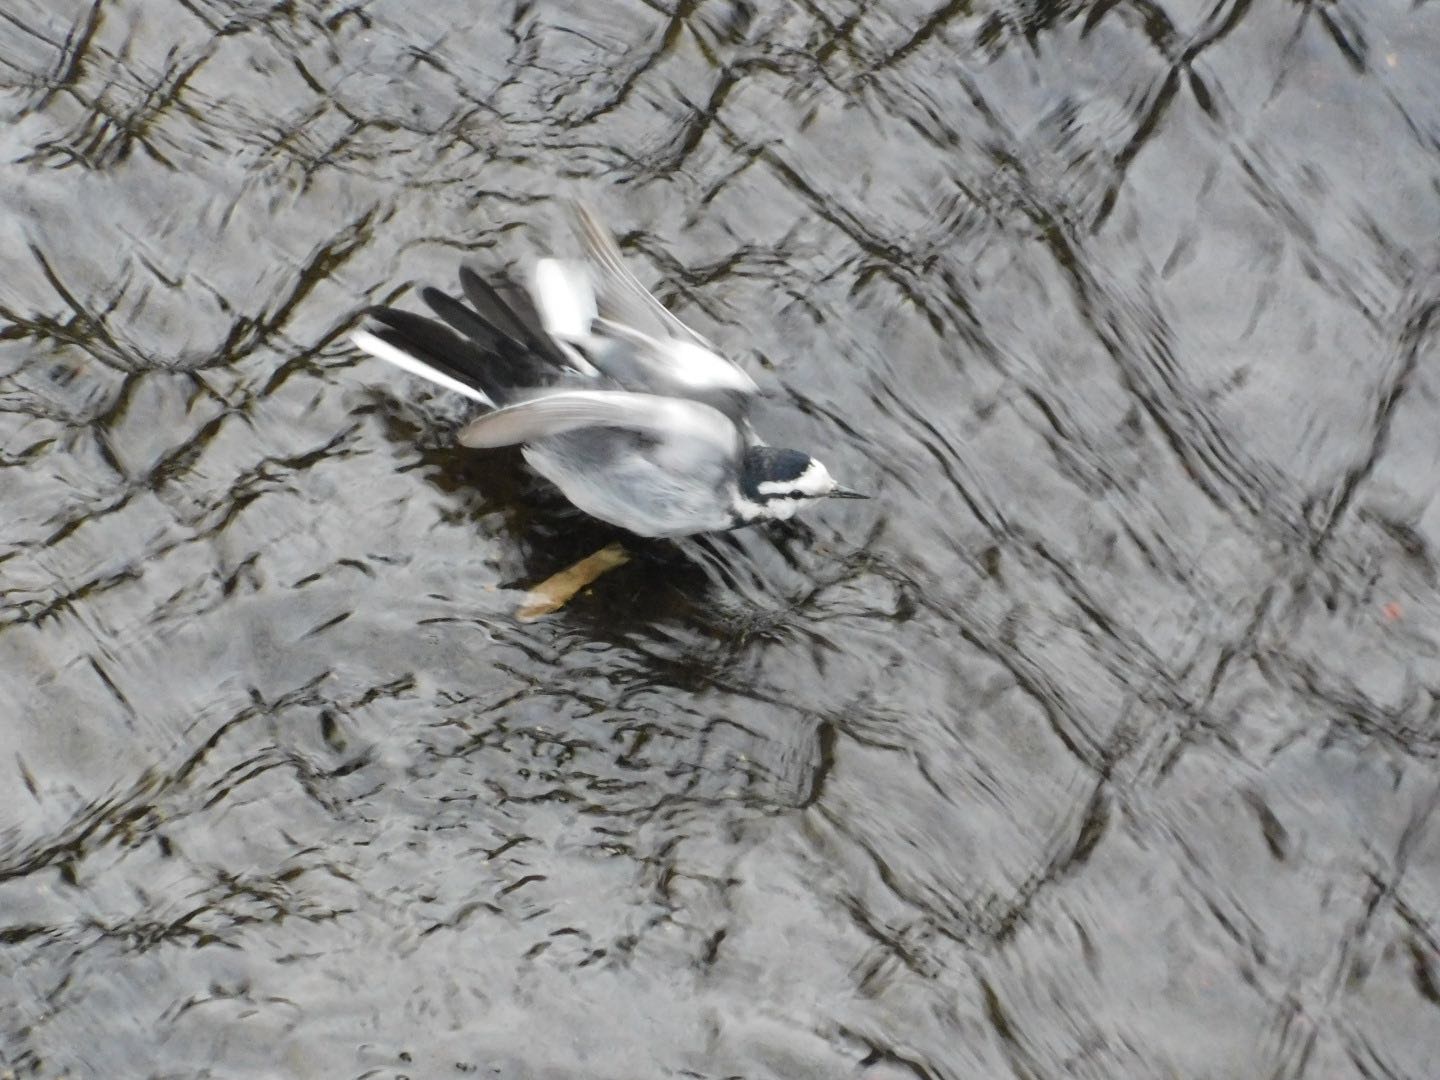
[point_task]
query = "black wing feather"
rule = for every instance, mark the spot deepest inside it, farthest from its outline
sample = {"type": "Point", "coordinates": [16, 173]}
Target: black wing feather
{"type": "Point", "coordinates": [493, 371]}
{"type": "Point", "coordinates": [499, 347]}
{"type": "Point", "coordinates": [403, 342]}
{"type": "Point", "coordinates": [462, 319]}
{"type": "Point", "coordinates": [517, 299]}
{"type": "Point", "coordinates": [493, 309]}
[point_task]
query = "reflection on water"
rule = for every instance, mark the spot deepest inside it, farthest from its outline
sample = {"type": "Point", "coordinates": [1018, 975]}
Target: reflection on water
{"type": "Point", "coordinates": [1102, 744]}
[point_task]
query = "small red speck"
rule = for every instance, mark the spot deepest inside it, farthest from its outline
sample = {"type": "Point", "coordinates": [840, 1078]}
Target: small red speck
{"type": "Point", "coordinates": [1392, 611]}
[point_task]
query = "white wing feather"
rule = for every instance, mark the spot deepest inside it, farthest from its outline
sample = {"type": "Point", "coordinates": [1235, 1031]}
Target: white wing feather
{"type": "Point", "coordinates": [383, 350]}
{"type": "Point", "coordinates": [682, 363]}
{"type": "Point", "coordinates": [564, 295]}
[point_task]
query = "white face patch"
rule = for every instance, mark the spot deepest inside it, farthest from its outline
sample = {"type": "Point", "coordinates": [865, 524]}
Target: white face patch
{"type": "Point", "coordinates": [814, 483]}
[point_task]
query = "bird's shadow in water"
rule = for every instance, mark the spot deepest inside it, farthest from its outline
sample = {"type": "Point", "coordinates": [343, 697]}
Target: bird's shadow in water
{"type": "Point", "coordinates": [699, 608]}
{"type": "Point", "coordinates": [711, 588]}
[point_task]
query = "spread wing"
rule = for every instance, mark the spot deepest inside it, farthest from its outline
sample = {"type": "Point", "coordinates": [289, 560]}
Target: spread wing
{"type": "Point", "coordinates": [679, 427]}
{"type": "Point", "coordinates": [640, 340]}
{"type": "Point", "coordinates": [622, 296]}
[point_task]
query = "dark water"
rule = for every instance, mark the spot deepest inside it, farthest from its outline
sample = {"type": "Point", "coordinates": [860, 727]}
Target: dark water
{"type": "Point", "coordinates": [1103, 744]}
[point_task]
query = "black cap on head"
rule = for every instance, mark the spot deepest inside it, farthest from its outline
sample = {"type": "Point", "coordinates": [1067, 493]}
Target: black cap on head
{"type": "Point", "coordinates": [770, 463]}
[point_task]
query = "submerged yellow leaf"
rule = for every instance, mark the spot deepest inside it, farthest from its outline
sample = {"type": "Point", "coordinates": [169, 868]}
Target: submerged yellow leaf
{"type": "Point", "coordinates": [555, 591]}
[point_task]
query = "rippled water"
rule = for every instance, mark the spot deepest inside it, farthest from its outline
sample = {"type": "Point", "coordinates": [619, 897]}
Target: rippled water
{"type": "Point", "coordinates": [1102, 744]}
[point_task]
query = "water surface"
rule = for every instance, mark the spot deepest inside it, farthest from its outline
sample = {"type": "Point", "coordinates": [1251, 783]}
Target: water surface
{"type": "Point", "coordinates": [1101, 744]}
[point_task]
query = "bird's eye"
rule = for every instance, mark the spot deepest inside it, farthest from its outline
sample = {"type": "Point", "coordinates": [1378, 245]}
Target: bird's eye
{"type": "Point", "coordinates": [796, 494]}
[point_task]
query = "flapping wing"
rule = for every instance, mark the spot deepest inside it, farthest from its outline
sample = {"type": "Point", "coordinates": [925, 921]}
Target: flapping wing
{"type": "Point", "coordinates": [624, 298]}
{"type": "Point", "coordinates": [672, 421]}
{"type": "Point", "coordinates": [679, 366]}
{"type": "Point", "coordinates": [564, 298]}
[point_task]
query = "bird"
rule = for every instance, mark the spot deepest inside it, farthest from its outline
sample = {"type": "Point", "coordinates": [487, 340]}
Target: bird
{"type": "Point", "coordinates": [638, 420]}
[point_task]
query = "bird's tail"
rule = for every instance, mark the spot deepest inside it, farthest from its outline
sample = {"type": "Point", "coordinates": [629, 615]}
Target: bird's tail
{"type": "Point", "coordinates": [488, 349]}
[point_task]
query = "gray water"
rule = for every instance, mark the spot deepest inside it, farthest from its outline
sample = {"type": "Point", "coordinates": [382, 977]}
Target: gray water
{"type": "Point", "coordinates": [1102, 743]}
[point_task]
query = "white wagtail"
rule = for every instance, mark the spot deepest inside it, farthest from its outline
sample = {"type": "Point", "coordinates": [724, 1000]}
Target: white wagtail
{"type": "Point", "coordinates": [637, 419]}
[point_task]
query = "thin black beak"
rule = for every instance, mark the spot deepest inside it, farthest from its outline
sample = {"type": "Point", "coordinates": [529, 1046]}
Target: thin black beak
{"type": "Point", "coordinates": [839, 492]}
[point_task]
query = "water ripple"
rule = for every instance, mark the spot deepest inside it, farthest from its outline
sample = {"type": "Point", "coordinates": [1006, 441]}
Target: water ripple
{"type": "Point", "coordinates": [1101, 743]}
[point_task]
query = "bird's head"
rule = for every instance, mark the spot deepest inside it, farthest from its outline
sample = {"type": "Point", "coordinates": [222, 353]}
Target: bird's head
{"type": "Point", "coordinates": [776, 483]}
